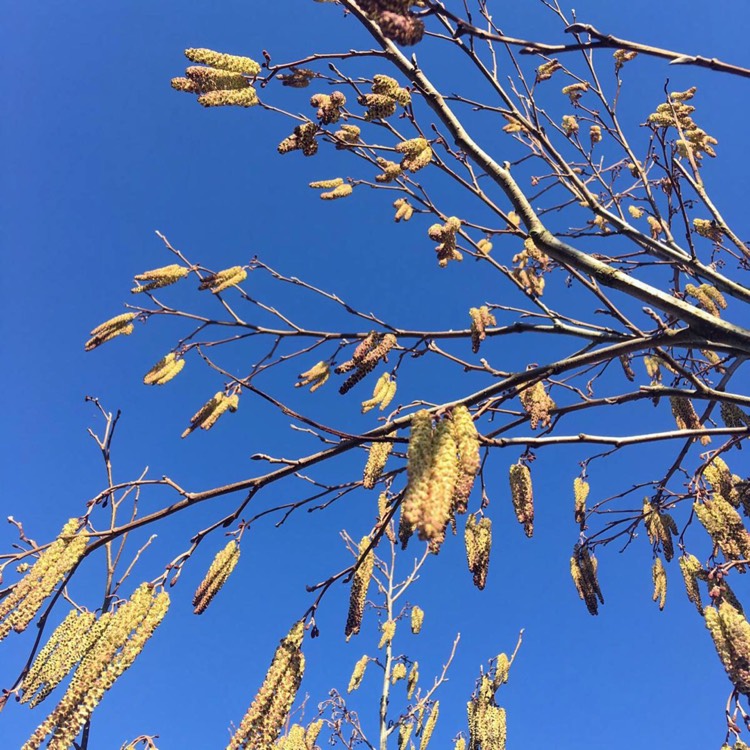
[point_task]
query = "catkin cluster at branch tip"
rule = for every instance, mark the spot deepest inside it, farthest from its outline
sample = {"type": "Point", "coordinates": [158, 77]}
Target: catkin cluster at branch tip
{"type": "Point", "coordinates": [328, 106]}
{"type": "Point", "coordinates": [709, 229]}
{"type": "Point", "coordinates": [357, 674]}
{"type": "Point", "coordinates": [417, 619]}
{"type": "Point", "coordinates": [429, 726]}
{"type": "Point", "coordinates": [731, 635]}
{"type": "Point", "coordinates": [334, 189]}
{"type": "Point", "coordinates": [207, 416]}
{"type": "Point", "coordinates": [478, 542]}
{"type": "Point", "coordinates": [709, 298]}
{"type": "Point", "coordinates": [583, 567]}
{"type": "Point", "coordinates": [660, 527]}
{"type": "Point", "coordinates": [432, 469]}
{"type": "Point", "coordinates": [221, 280]}
{"type": "Point", "coordinates": [360, 584]}
{"type": "Point", "coordinates": [530, 266]}
{"type": "Point", "coordinates": [117, 639]}
{"type": "Point", "coordinates": [570, 125]}
{"type": "Point", "coordinates": [20, 605]}
{"type": "Point", "coordinates": [417, 154]}
{"type": "Point", "coordinates": [537, 404]}
{"type": "Point", "coordinates": [404, 734]}
{"type": "Point", "coordinates": [445, 234]}
{"type": "Point", "coordinates": [120, 325]}
{"type": "Point", "coordinates": [546, 70]}
{"type": "Point", "coordinates": [467, 444]}
{"type": "Point", "coordinates": [217, 575]}
{"type": "Point", "coordinates": [382, 394]}
{"type": "Point", "coordinates": [580, 495]}
{"type": "Point", "coordinates": [692, 571]}
{"type": "Point", "coordinates": [412, 680]}
{"type": "Point", "coordinates": [595, 134]}
{"type": "Point", "coordinates": [315, 377]}
{"type": "Point", "coordinates": [347, 136]}
{"type": "Point", "coordinates": [674, 113]}
{"type": "Point", "coordinates": [398, 672]}
{"type": "Point", "coordinates": [404, 210]}
{"type": "Point", "coordinates": [723, 482]}
{"type": "Point", "coordinates": [391, 170]}
{"type": "Point", "coordinates": [724, 526]}
{"type": "Point", "coordinates": [383, 510]}
{"type": "Point", "coordinates": [301, 738]}
{"type": "Point", "coordinates": [302, 139]}
{"type": "Point", "coordinates": [385, 98]}
{"type": "Point", "coordinates": [622, 56]}
{"type": "Point", "coordinates": [374, 347]}
{"type": "Point", "coordinates": [376, 460]}
{"type": "Point", "coordinates": [387, 633]}
{"type": "Point", "coordinates": [685, 416]}
{"type": "Point", "coordinates": [484, 246]}
{"type": "Point", "coordinates": [63, 650]}
{"type": "Point", "coordinates": [487, 721]}
{"type": "Point", "coordinates": [481, 319]}
{"type": "Point", "coordinates": [164, 370]}
{"type": "Point", "coordinates": [233, 63]}
{"type": "Point", "coordinates": [159, 277]}
{"type": "Point", "coordinates": [659, 577]}
{"type": "Point", "coordinates": [220, 80]}
{"type": "Point", "coordinates": [522, 494]}
{"type": "Point", "coordinates": [299, 78]}
{"type": "Point", "coordinates": [263, 721]}
{"type": "Point", "coordinates": [575, 91]}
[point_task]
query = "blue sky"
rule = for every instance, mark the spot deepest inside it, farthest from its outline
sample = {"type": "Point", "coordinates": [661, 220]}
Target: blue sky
{"type": "Point", "coordinates": [99, 153]}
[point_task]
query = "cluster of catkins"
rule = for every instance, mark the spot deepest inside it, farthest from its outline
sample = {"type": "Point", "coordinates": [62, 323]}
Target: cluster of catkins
{"type": "Point", "coordinates": [262, 724]}
{"type": "Point", "coordinates": [105, 648]}
{"type": "Point", "coordinates": [445, 234]}
{"type": "Point", "coordinates": [481, 319]}
{"type": "Point", "coordinates": [386, 96]}
{"type": "Point", "coordinates": [395, 19]}
{"type": "Point", "coordinates": [537, 404]}
{"type": "Point", "coordinates": [487, 721]}
{"type": "Point", "coordinates": [219, 80]}
{"type": "Point", "coordinates": [374, 347]}
{"type": "Point", "coordinates": [207, 416]}
{"type": "Point", "coordinates": [300, 738]}
{"type": "Point", "coordinates": [334, 188]}
{"type": "Point", "coordinates": [583, 567]}
{"type": "Point", "coordinates": [442, 463]}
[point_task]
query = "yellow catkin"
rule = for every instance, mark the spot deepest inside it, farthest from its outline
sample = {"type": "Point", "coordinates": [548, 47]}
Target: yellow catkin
{"type": "Point", "coordinates": [522, 494]}
{"type": "Point", "coordinates": [478, 542]}
{"type": "Point", "coordinates": [724, 525]}
{"type": "Point", "coordinates": [429, 726]}
{"type": "Point", "coordinates": [445, 234]}
{"type": "Point", "coordinates": [383, 511]}
{"type": "Point", "coordinates": [159, 277]}
{"type": "Point", "coordinates": [360, 584]}
{"type": "Point", "coordinates": [660, 527]}
{"type": "Point", "coordinates": [374, 347]}
{"type": "Point", "coordinates": [376, 460]}
{"type": "Point", "coordinates": [417, 619]}
{"type": "Point", "coordinates": [233, 63]}
{"type": "Point", "coordinates": [20, 606]}
{"type": "Point", "coordinates": [247, 97]}
{"type": "Point", "coordinates": [398, 672]}
{"type": "Point", "coordinates": [692, 570]}
{"type": "Point", "coordinates": [537, 404]}
{"type": "Point", "coordinates": [583, 569]}
{"type": "Point", "coordinates": [216, 576]}
{"type": "Point", "coordinates": [718, 474]}
{"type": "Point", "coordinates": [207, 416]}
{"type": "Point", "coordinates": [481, 319]}
{"type": "Point", "coordinates": [659, 577]}
{"type": "Point", "coordinates": [404, 734]}
{"type": "Point", "coordinates": [467, 443]}
{"type": "Point", "coordinates": [164, 370]}
{"type": "Point", "coordinates": [315, 377]}
{"type": "Point", "coordinates": [382, 394]}
{"type": "Point", "coordinates": [221, 280]}
{"type": "Point", "coordinates": [120, 325]}
{"type": "Point", "coordinates": [731, 635]}
{"type": "Point", "coordinates": [412, 680]}
{"type": "Point", "coordinates": [262, 723]}
{"type": "Point", "coordinates": [580, 495]}
{"type": "Point", "coordinates": [358, 673]}
{"type": "Point", "coordinates": [387, 632]}
{"type": "Point", "coordinates": [404, 210]}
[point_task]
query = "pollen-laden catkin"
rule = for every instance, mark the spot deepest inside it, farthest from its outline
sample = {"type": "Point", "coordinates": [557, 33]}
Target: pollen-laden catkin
{"type": "Point", "coordinates": [537, 404]}
{"type": "Point", "coordinates": [360, 584]}
{"type": "Point", "coordinates": [718, 474]}
{"type": "Point", "coordinates": [379, 106]}
{"type": "Point", "coordinates": [481, 319]}
{"type": "Point", "coordinates": [262, 723]}
{"type": "Point", "coordinates": [382, 394]}
{"type": "Point", "coordinates": [460, 744]}
{"type": "Point", "coordinates": [233, 63]}
{"type": "Point", "coordinates": [412, 680]}
{"type": "Point", "coordinates": [404, 210]}
{"type": "Point", "coordinates": [692, 570]}
{"type": "Point", "coordinates": [583, 567]}
{"type": "Point", "coordinates": [120, 325]}
{"type": "Point", "coordinates": [595, 134]}
{"type": "Point", "coordinates": [221, 280]}
{"type": "Point", "coordinates": [383, 511]}
{"type": "Point", "coordinates": [366, 357]}
{"type": "Point", "coordinates": [391, 170]}
{"type": "Point", "coordinates": [731, 635]}
{"type": "Point", "coordinates": [159, 277]}
{"type": "Point", "coordinates": [329, 106]}
{"type": "Point", "coordinates": [398, 672]}
{"type": "Point", "coordinates": [709, 298]}
{"type": "Point", "coordinates": [467, 443]}
{"type": "Point", "coordinates": [733, 416]}
{"type": "Point", "coordinates": [387, 633]}
{"type": "Point", "coordinates": [484, 246]}
{"type": "Point", "coordinates": [342, 191]}
{"type": "Point", "coordinates": [216, 576]}
{"type": "Point", "coordinates": [404, 734]}
{"type": "Point", "coordinates": [417, 619]}
{"type": "Point", "coordinates": [417, 154]}
{"type": "Point", "coordinates": [61, 653]}
{"type": "Point", "coordinates": [659, 578]}
{"type": "Point", "coordinates": [429, 726]}
{"type": "Point", "coordinates": [209, 413]}
{"type": "Point", "coordinates": [478, 542]}
{"type": "Point", "coordinates": [546, 70]}
{"type": "Point", "coordinates": [659, 527]}
{"type": "Point", "coordinates": [20, 606]}
{"type": "Point", "coordinates": [580, 495]}
{"type": "Point", "coordinates": [445, 234]}
{"type": "Point", "coordinates": [315, 377]}
{"type": "Point", "coordinates": [235, 98]}
{"type": "Point", "coordinates": [302, 139]}
{"type": "Point", "coordinates": [359, 672]}
{"type": "Point", "coordinates": [522, 494]}
{"type": "Point", "coordinates": [347, 136]}
{"type": "Point", "coordinates": [299, 78]}
{"type": "Point", "coordinates": [725, 527]}
{"type": "Point", "coordinates": [709, 229]}
{"type": "Point", "coordinates": [122, 638]}
{"type": "Point", "coordinates": [214, 79]}
{"type": "Point", "coordinates": [376, 460]}
{"type": "Point", "coordinates": [418, 463]}
{"type": "Point", "coordinates": [164, 370]}
{"type": "Point", "coordinates": [327, 184]}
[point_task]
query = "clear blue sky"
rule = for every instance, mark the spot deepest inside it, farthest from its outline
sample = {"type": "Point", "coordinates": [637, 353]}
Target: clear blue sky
{"type": "Point", "coordinates": [98, 153]}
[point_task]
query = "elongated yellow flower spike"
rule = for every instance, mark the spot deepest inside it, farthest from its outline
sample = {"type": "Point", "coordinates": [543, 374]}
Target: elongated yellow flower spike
{"type": "Point", "coordinates": [417, 619]}
{"type": "Point", "coordinates": [315, 377]}
{"type": "Point", "coordinates": [537, 404]}
{"type": "Point", "coordinates": [209, 413]}
{"type": "Point", "coordinates": [160, 277]}
{"type": "Point", "coordinates": [164, 370]}
{"type": "Point", "coordinates": [387, 633]}
{"type": "Point", "coordinates": [467, 442]}
{"type": "Point", "coordinates": [412, 680]}
{"type": "Point", "coordinates": [391, 170]}
{"type": "Point", "coordinates": [404, 210]}
{"type": "Point", "coordinates": [523, 496]}
{"type": "Point", "coordinates": [659, 577]}
{"type": "Point", "coordinates": [376, 460]}
{"type": "Point", "coordinates": [692, 571]}
{"type": "Point", "coordinates": [327, 184]}
{"type": "Point", "coordinates": [374, 347]}
{"type": "Point", "coordinates": [417, 154]}
{"type": "Point", "coordinates": [478, 542]}
{"type": "Point", "coordinates": [302, 139]}
{"type": "Point", "coordinates": [213, 79]}
{"type": "Point", "coordinates": [660, 527]}
{"type": "Point", "coordinates": [731, 635]}
{"type": "Point", "coordinates": [217, 575]}
{"type": "Point", "coordinates": [583, 567]}
{"type": "Point", "coordinates": [120, 325]}
{"type": "Point", "coordinates": [481, 319]}
{"type": "Point", "coordinates": [445, 234]}
{"type": "Point", "coordinates": [398, 672]}
{"type": "Point", "coordinates": [580, 494]}
{"type": "Point", "coordinates": [347, 136]}
{"type": "Point", "coordinates": [725, 527]}
{"type": "Point", "coordinates": [242, 98]}
{"type": "Point", "coordinates": [359, 672]}
{"type": "Point", "coordinates": [360, 584]}
{"type": "Point", "coordinates": [221, 280]}
{"type": "Point", "coordinates": [329, 106]}
{"type": "Point", "coordinates": [233, 63]}
{"type": "Point", "coordinates": [429, 726]}
{"type": "Point", "coordinates": [342, 191]}
{"type": "Point", "coordinates": [382, 394]}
